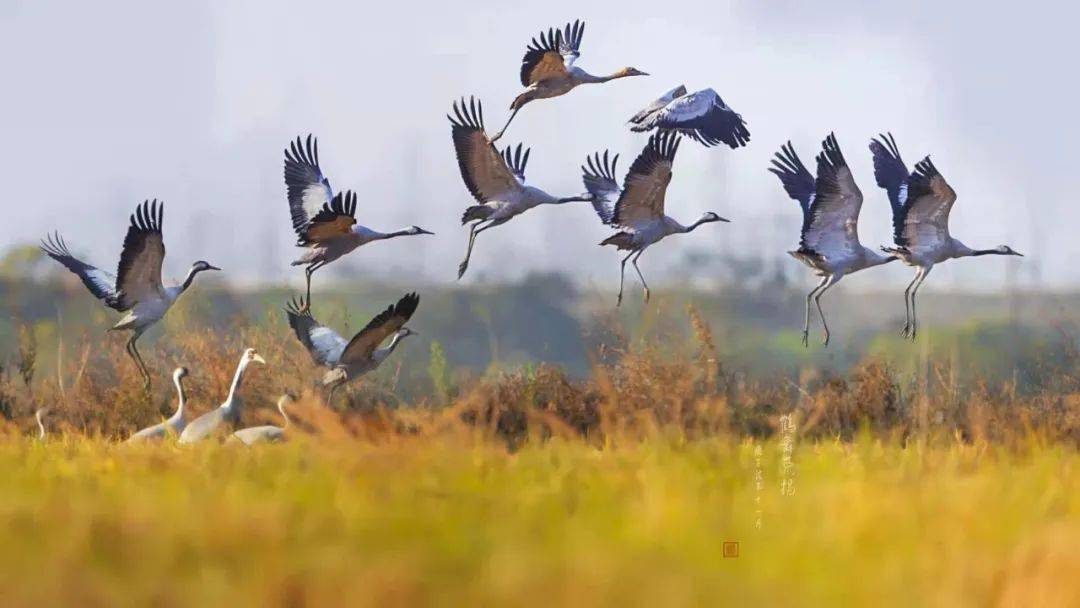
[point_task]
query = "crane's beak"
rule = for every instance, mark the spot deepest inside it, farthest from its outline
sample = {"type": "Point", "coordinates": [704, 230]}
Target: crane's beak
{"type": "Point", "coordinates": [1018, 253]}
{"type": "Point", "coordinates": [258, 359]}
{"type": "Point", "coordinates": [211, 267]}
{"type": "Point", "coordinates": [422, 231]}
{"type": "Point", "coordinates": [723, 219]}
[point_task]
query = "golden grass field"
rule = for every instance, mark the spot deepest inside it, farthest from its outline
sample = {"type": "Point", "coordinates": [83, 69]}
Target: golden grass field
{"type": "Point", "coordinates": [460, 521]}
{"type": "Point", "coordinates": [527, 487]}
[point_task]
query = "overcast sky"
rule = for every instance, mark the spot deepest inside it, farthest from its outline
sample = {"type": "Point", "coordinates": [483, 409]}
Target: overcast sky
{"type": "Point", "coordinates": [108, 103]}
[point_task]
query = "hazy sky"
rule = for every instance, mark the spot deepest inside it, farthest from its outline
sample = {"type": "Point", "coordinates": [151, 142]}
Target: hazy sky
{"type": "Point", "coordinates": [108, 103]}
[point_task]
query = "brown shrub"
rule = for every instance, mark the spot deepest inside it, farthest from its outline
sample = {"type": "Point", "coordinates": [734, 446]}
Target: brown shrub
{"type": "Point", "coordinates": [636, 390]}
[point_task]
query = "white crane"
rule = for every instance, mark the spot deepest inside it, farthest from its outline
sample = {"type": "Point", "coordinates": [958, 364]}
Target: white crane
{"type": "Point", "coordinates": [548, 70]}
{"type": "Point", "coordinates": [39, 416]}
{"type": "Point", "coordinates": [176, 423]}
{"type": "Point", "coordinates": [266, 433]}
{"type": "Point", "coordinates": [921, 202]}
{"type": "Point", "coordinates": [136, 288]}
{"type": "Point", "coordinates": [496, 181]}
{"type": "Point", "coordinates": [228, 413]}
{"type": "Point", "coordinates": [701, 116]}
{"type": "Point", "coordinates": [637, 207]}
{"type": "Point", "coordinates": [352, 359]}
{"type": "Point", "coordinates": [830, 231]}
{"type": "Point", "coordinates": [325, 223]}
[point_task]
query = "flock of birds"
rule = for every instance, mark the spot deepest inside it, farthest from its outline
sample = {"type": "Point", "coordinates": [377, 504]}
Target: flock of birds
{"type": "Point", "coordinates": [326, 226]}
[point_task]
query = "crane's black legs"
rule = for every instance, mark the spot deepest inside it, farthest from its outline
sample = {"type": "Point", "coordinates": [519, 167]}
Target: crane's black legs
{"type": "Point", "coordinates": [464, 265]}
{"type": "Point", "coordinates": [473, 231]}
{"type": "Point", "coordinates": [133, 352]}
{"type": "Point", "coordinates": [829, 282]}
{"type": "Point", "coordinates": [622, 276]}
{"type": "Point", "coordinates": [920, 277]}
{"type": "Point", "coordinates": [806, 321]}
{"type": "Point", "coordinates": [503, 130]}
{"type": "Point", "coordinates": [643, 283]}
{"type": "Point", "coordinates": [906, 332]}
{"type": "Point", "coordinates": [310, 270]}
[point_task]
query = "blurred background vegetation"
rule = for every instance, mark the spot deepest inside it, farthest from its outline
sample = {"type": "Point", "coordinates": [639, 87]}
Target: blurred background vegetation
{"type": "Point", "coordinates": [755, 316]}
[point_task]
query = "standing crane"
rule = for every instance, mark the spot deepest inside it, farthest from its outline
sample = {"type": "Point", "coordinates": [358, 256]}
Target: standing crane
{"type": "Point", "coordinates": [637, 207]}
{"type": "Point", "coordinates": [921, 202]}
{"type": "Point", "coordinates": [228, 413]}
{"type": "Point", "coordinates": [548, 69]}
{"type": "Point", "coordinates": [496, 181]}
{"type": "Point", "coordinates": [176, 423]}
{"type": "Point", "coordinates": [266, 433]}
{"type": "Point", "coordinates": [136, 288]}
{"type": "Point", "coordinates": [701, 116]}
{"type": "Point", "coordinates": [830, 231]}
{"type": "Point", "coordinates": [325, 223]}
{"type": "Point", "coordinates": [352, 359]}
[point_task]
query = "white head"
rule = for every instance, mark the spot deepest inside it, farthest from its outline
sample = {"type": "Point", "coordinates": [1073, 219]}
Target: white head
{"type": "Point", "coordinates": [251, 356]}
{"type": "Point", "coordinates": [417, 230]}
{"type": "Point", "coordinates": [179, 374]}
{"type": "Point", "coordinates": [1006, 250]}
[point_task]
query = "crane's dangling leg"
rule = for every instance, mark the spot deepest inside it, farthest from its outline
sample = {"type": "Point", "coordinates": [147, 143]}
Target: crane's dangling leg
{"type": "Point", "coordinates": [473, 231]}
{"type": "Point", "coordinates": [507, 125]}
{"type": "Point", "coordinates": [914, 323]}
{"type": "Point", "coordinates": [906, 332]}
{"type": "Point", "coordinates": [643, 283]}
{"type": "Point", "coordinates": [333, 391]}
{"type": "Point", "coordinates": [133, 352]}
{"type": "Point", "coordinates": [806, 320]}
{"type": "Point", "coordinates": [310, 270]}
{"type": "Point", "coordinates": [830, 281]}
{"type": "Point", "coordinates": [622, 276]}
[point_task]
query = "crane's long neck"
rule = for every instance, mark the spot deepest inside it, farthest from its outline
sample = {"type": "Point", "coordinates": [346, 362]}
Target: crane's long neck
{"type": "Point", "coordinates": [383, 353]}
{"type": "Point", "coordinates": [240, 369]}
{"type": "Point", "coordinates": [691, 227]}
{"type": "Point", "coordinates": [188, 279]}
{"type": "Point", "coordinates": [181, 397]}
{"type": "Point", "coordinates": [872, 258]}
{"type": "Point", "coordinates": [978, 252]}
{"type": "Point", "coordinates": [587, 78]}
{"type": "Point", "coordinates": [577, 198]}
{"type": "Point", "coordinates": [281, 408]}
{"type": "Point", "coordinates": [40, 424]}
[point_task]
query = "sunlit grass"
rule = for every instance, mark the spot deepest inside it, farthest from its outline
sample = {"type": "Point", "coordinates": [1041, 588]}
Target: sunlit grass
{"type": "Point", "coordinates": [458, 520]}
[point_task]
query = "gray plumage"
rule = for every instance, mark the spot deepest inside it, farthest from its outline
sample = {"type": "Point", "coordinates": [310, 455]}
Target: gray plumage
{"type": "Point", "coordinates": [228, 413]}
{"type": "Point", "coordinates": [830, 204]}
{"type": "Point", "coordinates": [702, 116]}
{"type": "Point", "coordinates": [921, 202]}
{"type": "Point", "coordinates": [324, 222]}
{"type": "Point", "coordinates": [266, 433]}
{"type": "Point", "coordinates": [352, 359]}
{"type": "Point", "coordinates": [496, 180]}
{"type": "Point", "coordinates": [136, 288]}
{"type": "Point", "coordinates": [637, 208]}
{"type": "Point", "coordinates": [176, 423]}
{"type": "Point", "coordinates": [548, 70]}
